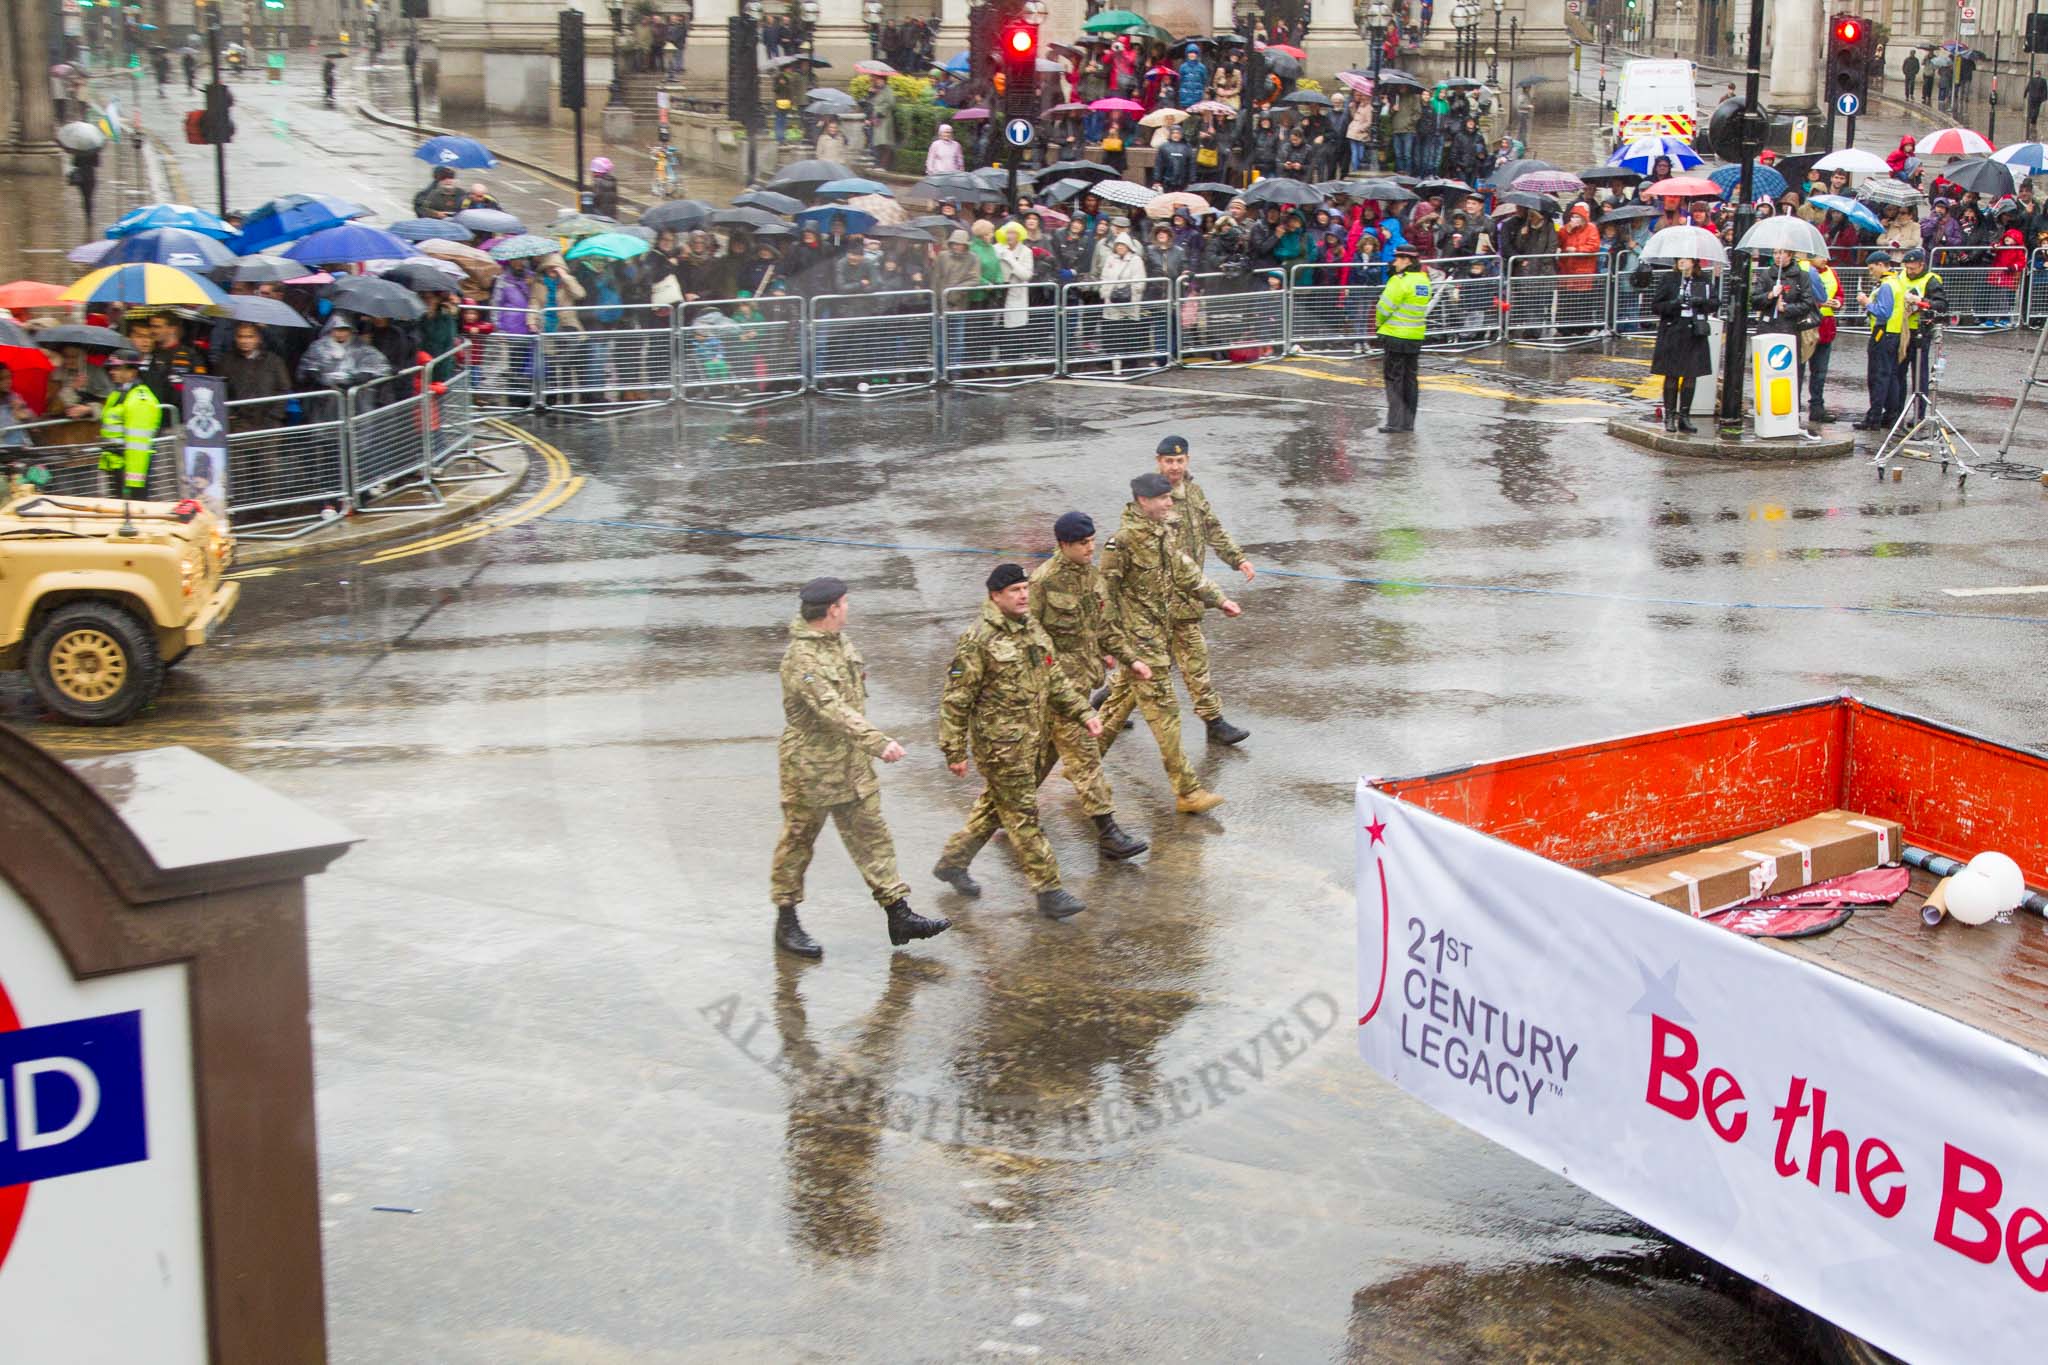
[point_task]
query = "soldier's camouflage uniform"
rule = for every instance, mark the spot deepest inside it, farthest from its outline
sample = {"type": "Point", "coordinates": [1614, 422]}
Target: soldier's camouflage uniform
{"type": "Point", "coordinates": [827, 758]}
{"type": "Point", "coordinates": [1004, 685]}
{"type": "Point", "coordinates": [1070, 601]}
{"type": "Point", "coordinates": [1196, 531]}
{"type": "Point", "coordinates": [1147, 575]}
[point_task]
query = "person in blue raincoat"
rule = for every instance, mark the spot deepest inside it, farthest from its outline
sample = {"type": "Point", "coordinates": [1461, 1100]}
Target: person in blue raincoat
{"type": "Point", "coordinates": [1194, 78]}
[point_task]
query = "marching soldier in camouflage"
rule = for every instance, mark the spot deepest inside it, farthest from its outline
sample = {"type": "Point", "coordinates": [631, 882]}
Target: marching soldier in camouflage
{"type": "Point", "coordinates": [1004, 682]}
{"type": "Point", "coordinates": [1198, 530]}
{"type": "Point", "coordinates": [826, 758]}
{"type": "Point", "coordinates": [1146, 573]}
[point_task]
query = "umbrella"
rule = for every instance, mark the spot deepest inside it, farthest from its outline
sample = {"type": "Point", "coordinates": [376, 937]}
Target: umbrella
{"type": "Point", "coordinates": [171, 216]}
{"type": "Point", "coordinates": [1125, 193]}
{"type": "Point", "coordinates": [899, 232]}
{"type": "Point", "coordinates": [523, 245]}
{"type": "Point", "coordinates": [1785, 230]}
{"type": "Point", "coordinates": [1527, 81]}
{"type": "Point", "coordinates": [1953, 142]}
{"type": "Point", "coordinates": [181, 247]}
{"type": "Point", "coordinates": [30, 294]}
{"type": "Point", "coordinates": [1216, 187]}
{"type": "Point", "coordinates": [1549, 182]}
{"type": "Point", "coordinates": [959, 63]}
{"type": "Point", "coordinates": [316, 277]}
{"type": "Point", "coordinates": [774, 230]}
{"type": "Point", "coordinates": [90, 253]}
{"type": "Point", "coordinates": [821, 218]}
{"type": "Point", "coordinates": [875, 68]}
{"type": "Point", "coordinates": [1693, 243]}
{"type": "Point", "coordinates": [1075, 170]}
{"type": "Point", "coordinates": [794, 58]}
{"type": "Point", "coordinates": [994, 179]}
{"type": "Point", "coordinates": [82, 334]}
{"type": "Point", "coordinates": [1683, 187]}
{"type": "Point", "coordinates": [1314, 97]}
{"type": "Point", "coordinates": [1114, 21]}
{"type": "Point", "coordinates": [1281, 190]}
{"type": "Point", "coordinates": [1630, 213]}
{"type": "Point", "coordinates": [1855, 161]}
{"type": "Point", "coordinates": [448, 150]}
{"type": "Point", "coordinates": [804, 176]}
{"type": "Point", "coordinates": [617, 246]}
{"type": "Point", "coordinates": [1216, 107]}
{"type": "Point", "coordinates": [376, 298]}
{"type": "Point", "coordinates": [849, 187]}
{"type": "Point", "coordinates": [13, 333]}
{"type": "Point", "coordinates": [157, 286]}
{"type": "Point", "coordinates": [742, 218]}
{"type": "Point", "coordinates": [31, 369]}
{"type": "Point", "coordinates": [1161, 118]}
{"type": "Point", "coordinates": [579, 225]}
{"type": "Point", "coordinates": [1462, 83]}
{"type": "Point", "coordinates": [2031, 157]}
{"type": "Point", "coordinates": [1060, 191]}
{"type": "Point", "coordinates": [687, 215]}
{"type": "Point", "coordinates": [1507, 172]}
{"type": "Point", "coordinates": [876, 207]}
{"type": "Point", "coordinates": [485, 222]}
{"type": "Point", "coordinates": [930, 222]}
{"type": "Point", "coordinates": [1116, 104]}
{"type": "Point", "coordinates": [1527, 199]}
{"type": "Point", "coordinates": [1978, 173]}
{"type": "Point", "coordinates": [1166, 205]}
{"type": "Point", "coordinates": [293, 215]}
{"type": "Point", "coordinates": [264, 312]}
{"type": "Point", "coordinates": [348, 242]}
{"type": "Point", "coordinates": [462, 253]}
{"type": "Point", "coordinates": [1380, 190]}
{"type": "Point", "coordinates": [974, 115]}
{"type": "Point", "coordinates": [424, 276]}
{"type": "Point", "coordinates": [80, 137]}
{"type": "Point", "coordinates": [1609, 175]}
{"type": "Point", "coordinates": [1885, 190]}
{"type": "Point", "coordinates": [1357, 80]}
{"type": "Point", "coordinates": [1855, 210]}
{"type": "Point", "coordinates": [1282, 66]}
{"type": "Point", "coordinates": [831, 94]}
{"type": "Point", "coordinates": [1390, 76]}
{"type": "Point", "coordinates": [1059, 110]}
{"type": "Point", "coordinates": [421, 229]}
{"type": "Point", "coordinates": [1764, 181]}
{"type": "Point", "coordinates": [645, 234]}
{"type": "Point", "coordinates": [1437, 184]}
{"type": "Point", "coordinates": [768, 200]}
{"type": "Point", "coordinates": [1642, 153]}
{"type": "Point", "coordinates": [1284, 49]}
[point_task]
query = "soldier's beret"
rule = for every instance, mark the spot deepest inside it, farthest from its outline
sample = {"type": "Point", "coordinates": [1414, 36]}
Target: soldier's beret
{"type": "Point", "coordinates": [1173, 445]}
{"type": "Point", "coordinates": [1073, 527]}
{"type": "Point", "coordinates": [1005, 576]}
{"type": "Point", "coordinates": [822, 592]}
{"type": "Point", "coordinates": [1150, 486]}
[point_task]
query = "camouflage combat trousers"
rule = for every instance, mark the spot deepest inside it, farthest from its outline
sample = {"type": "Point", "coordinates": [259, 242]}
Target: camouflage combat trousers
{"type": "Point", "coordinates": [1010, 774]}
{"type": "Point", "coordinates": [1191, 659]}
{"type": "Point", "coordinates": [863, 832]}
{"type": "Point", "coordinates": [1155, 700]}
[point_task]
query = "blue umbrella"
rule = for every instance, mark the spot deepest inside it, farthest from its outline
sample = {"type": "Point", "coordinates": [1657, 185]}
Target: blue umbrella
{"type": "Point", "coordinates": [1855, 210]}
{"type": "Point", "coordinates": [1764, 182]}
{"type": "Point", "coordinates": [182, 247]}
{"type": "Point", "coordinates": [293, 215]}
{"type": "Point", "coordinates": [958, 64]}
{"type": "Point", "coordinates": [822, 216]}
{"type": "Point", "coordinates": [1642, 153]}
{"type": "Point", "coordinates": [852, 187]}
{"type": "Point", "coordinates": [171, 215]}
{"type": "Point", "coordinates": [90, 253]}
{"type": "Point", "coordinates": [427, 230]}
{"type": "Point", "coordinates": [2031, 157]}
{"type": "Point", "coordinates": [349, 242]}
{"type": "Point", "coordinates": [447, 150]}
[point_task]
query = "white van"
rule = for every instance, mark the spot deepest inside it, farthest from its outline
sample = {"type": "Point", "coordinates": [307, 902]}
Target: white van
{"type": "Point", "coordinates": [1657, 98]}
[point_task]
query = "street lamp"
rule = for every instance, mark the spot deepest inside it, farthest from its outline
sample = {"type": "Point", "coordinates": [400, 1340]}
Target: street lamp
{"type": "Point", "coordinates": [1377, 15]}
{"type": "Point", "coordinates": [871, 13]}
{"type": "Point", "coordinates": [1465, 19]}
{"type": "Point", "coordinates": [617, 98]}
{"type": "Point", "coordinates": [1492, 57]}
{"type": "Point", "coordinates": [809, 10]}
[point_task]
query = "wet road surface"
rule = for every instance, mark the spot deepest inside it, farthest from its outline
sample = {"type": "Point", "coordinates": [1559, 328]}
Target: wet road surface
{"type": "Point", "coordinates": [548, 1016]}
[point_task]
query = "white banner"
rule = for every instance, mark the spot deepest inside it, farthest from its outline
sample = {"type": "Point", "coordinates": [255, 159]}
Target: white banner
{"type": "Point", "coordinates": [1863, 1156]}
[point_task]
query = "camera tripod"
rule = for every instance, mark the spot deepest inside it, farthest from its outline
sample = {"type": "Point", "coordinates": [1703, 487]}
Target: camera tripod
{"type": "Point", "coordinates": [1930, 436]}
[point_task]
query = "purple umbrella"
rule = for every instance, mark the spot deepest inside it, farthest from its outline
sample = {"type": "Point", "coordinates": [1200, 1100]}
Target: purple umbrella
{"type": "Point", "coordinates": [350, 242]}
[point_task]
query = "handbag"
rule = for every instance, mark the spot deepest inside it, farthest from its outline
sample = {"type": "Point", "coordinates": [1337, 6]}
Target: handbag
{"type": "Point", "coordinates": [666, 293]}
{"type": "Point", "coordinates": [1191, 311]}
{"type": "Point", "coordinates": [1205, 156]}
{"type": "Point", "coordinates": [1112, 144]}
{"type": "Point", "coordinates": [1701, 326]}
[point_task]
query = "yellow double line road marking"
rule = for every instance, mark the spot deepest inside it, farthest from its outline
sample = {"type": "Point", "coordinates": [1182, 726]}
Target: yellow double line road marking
{"type": "Point", "coordinates": [561, 486]}
{"type": "Point", "coordinates": [1435, 383]}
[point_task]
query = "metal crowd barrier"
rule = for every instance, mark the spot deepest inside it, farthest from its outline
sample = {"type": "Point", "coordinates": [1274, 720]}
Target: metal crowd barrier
{"type": "Point", "coordinates": [283, 478]}
{"type": "Point", "coordinates": [505, 363]}
{"type": "Point", "coordinates": [75, 469]}
{"type": "Point", "coordinates": [2036, 310]}
{"type": "Point", "coordinates": [600, 358]}
{"type": "Point", "coordinates": [1113, 338]}
{"type": "Point", "coordinates": [739, 353]}
{"type": "Point", "coordinates": [390, 442]}
{"type": "Point", "coordinates": [1227, 323]}
{"type": "Point", "coordinates": [1002, 340]}
{"type": "Point", "coordinates": [873, 345]}
{"type": "Point", "coordinates": [1554, 308]}
{"type": "Point", "coordinates": [1332, 308]}
{"type": "Point", "coordinates": [1981, 296]}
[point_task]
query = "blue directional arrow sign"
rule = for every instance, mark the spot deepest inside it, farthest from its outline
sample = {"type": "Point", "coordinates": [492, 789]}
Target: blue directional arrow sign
{"type": "Point", "coordinates": [1018, 132]}
{"type": "Point", "coordinates": [1848, 104]}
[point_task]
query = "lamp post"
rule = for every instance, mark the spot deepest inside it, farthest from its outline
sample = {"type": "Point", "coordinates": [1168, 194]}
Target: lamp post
{"type": "Point", "coordinates": [617, 97]}
{"type": "Point", "coordinates": [871, 14]}
{"type": "Point", "coordinates": [1377, 15]}
{"type": "Point", "coordinates": [1492, 57]}
{"type": "Point", "coordinates": [809, 10]}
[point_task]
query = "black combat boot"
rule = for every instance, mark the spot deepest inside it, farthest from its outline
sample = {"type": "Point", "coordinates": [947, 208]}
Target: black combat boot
{"type": "Point", "coordinates": [1112, 840]}
{"type": "Point", "coordinates": [1222, 731]}
{"type": "Point", "coordinates": [1058, 903]}
{"type": "Point", "coordinates": [790, 935]}
{"type": "Point", "coordinates": [957, 878]}
{"type": "Point", "coordinates": [906, 924]}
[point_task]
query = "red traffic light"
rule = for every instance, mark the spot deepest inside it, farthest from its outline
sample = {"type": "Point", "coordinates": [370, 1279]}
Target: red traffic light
{"type": "Point", "coordinates": [1022, 41]}
{"type": "Point", "coordinates": [1848, 30]}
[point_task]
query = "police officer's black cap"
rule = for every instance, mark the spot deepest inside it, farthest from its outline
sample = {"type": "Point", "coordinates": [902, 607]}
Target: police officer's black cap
{"type": "Point", "coordinates": [1407, 249]}
{"type": "Point", "coordinates": [1878, 258]}
{"type": "Point", "coordinates": [1913, 253]}
{"type": "Point", "coordinates": [822, 592]}
{"type": "Point", "coordinates": [1005, 576]}
{"type": "Point", "coordinates": [126, 356]}
{"type": "Point", "coordinates": [1073, 527]}
{"type": "Point", "coordinates": [1150, 486]}
{"type": "Point", "coordinates": [1173, 445]}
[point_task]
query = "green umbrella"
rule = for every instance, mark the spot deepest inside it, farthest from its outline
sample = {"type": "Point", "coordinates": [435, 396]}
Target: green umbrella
{"type": "Point", "coordinates": [1150, 32]}
{"type": "Point", "coordinates": [608, 246]}
{"type": "Point", "coordinates": [1114, 21]}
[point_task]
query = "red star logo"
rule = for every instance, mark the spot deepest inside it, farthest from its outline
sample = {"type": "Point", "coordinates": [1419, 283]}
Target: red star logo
{"type": "Point", "coordinates": [1377, 829]}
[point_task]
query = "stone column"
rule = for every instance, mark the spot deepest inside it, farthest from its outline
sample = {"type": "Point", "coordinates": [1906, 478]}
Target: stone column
{"type": "Point", "coordinates": [1795, 60]}
{"type": "Point", "coordinates": [1332, 42]}
{"type": "Point", "coordinates": [26, 118]}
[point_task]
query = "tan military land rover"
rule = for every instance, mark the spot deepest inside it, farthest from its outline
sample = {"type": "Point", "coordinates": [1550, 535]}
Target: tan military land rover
{"type": "Point", "coordinates": [98, 597]}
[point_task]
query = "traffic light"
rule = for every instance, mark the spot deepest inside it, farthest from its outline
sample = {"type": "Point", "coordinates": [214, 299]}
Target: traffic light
{"type": "Point", "coordinates": [1019, 48]}
{"type": "Point", "coordinates": [742, 75]}
{"type": "Point", "coordinates": [1852, 43]}
{"type": "Point", "coordinates": [569, 76]}
{"type": "Point", "coordinates": [216, 125]}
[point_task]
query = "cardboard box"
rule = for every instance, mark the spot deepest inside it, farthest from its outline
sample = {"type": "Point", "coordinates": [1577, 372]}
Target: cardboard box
{"type": "Point", "coordinates": [1830, 844]}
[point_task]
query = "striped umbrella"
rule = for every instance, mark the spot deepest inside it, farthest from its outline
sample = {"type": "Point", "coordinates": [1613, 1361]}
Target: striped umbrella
{"type": "Point", "coordinates": [1885, 190]}
{"type": "Point", "coordinates": [2032, 157]}
{"type": "Point", "coordinates": [1549, 182]}
{"type": "Point", "coordinates": [181, 247]}
{"type": "Point", "coordinates": [1953, 142]}
{"type": "Point", "coordinates": [145, 283]}
{"type": "Point", "coordinates": [1642, 154]}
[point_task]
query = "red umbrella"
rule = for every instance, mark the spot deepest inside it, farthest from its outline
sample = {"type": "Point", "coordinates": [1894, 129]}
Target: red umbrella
{"type": "Point", "coordinates": [31, 294]}
{"type": "Point", "coordinates": [1682, 187]}
{"type": "Point", "coordinates": [31, 367]}
{"type": "Point", "coordinates": [1291, 51]}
